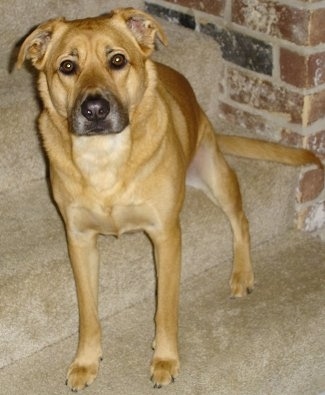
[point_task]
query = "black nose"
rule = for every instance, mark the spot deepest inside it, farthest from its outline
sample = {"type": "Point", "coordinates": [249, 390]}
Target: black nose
{"type": "Point", "coordinates": [95, 108]}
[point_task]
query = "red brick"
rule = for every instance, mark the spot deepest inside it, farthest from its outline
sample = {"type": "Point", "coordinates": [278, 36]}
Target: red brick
{"type": "Point", "coordinates": [293, 24]}
{"type": "Point", "coordinates": [316, 105]}
{"type": "Point", "coordinates": [302, 71]}
{"type": "Point", "coordinates": [263, 95]}
{"type": "Point", "coordinates": [316, 143]}
{"type": "Point", "coordinates": [215, 7]}
{"type": "Point", "coordinates": [293, 68]}
{"type": "Point", "coordinates": [311, 185]}
{"type": "Point", "coordinates": [272, 18]}
{"type": "Point", "coordinates": [291, 138]}
{"type": "Point", "coordinates": [251, 122]}
{"type": "Point", "coordinates": [317, 27]}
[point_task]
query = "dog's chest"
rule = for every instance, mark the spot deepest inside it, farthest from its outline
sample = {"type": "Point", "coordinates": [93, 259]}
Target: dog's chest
{"type": "Point", "coordinates": [112, 220]}
{"type": "Point", "coordinates": [130, 218]}
{"type": "Point", "coordinates": [108, 204]}
{"type": "Point", "coordinates": [99, 159]}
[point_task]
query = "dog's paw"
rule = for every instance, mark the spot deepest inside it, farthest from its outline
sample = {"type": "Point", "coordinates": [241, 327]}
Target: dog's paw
{"type": "Point", "coordinates": [81, 376]}
{"type": "Point", "coordinates": [164, 372]}
{"type": "Point", "coordinates": [241, 284]}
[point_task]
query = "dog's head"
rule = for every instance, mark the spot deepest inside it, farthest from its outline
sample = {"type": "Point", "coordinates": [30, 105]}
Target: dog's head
{"type": "Point", "coordinates": [93, 71]}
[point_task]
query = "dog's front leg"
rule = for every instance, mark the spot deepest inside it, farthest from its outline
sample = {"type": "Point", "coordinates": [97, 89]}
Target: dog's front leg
{"type": "Point", "coordinates": [165, 363]}
{"type": "Point", "coordinates": [85, 264]}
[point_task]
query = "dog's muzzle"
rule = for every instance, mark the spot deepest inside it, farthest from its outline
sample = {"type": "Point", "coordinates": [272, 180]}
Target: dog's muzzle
{"type": "Point", "coordinates": [98, 115]}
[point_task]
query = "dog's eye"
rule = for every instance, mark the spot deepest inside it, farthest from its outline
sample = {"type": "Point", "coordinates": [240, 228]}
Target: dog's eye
{"type": "Point", "coordinates": [68, 67]}
{"type": "Point", "coordinates": [118, 61]}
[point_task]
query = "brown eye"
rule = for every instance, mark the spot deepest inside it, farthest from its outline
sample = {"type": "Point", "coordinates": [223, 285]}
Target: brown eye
{"type": "Point", "coordinates": [118, 61]}
{"type": "Point", "coordinates": [68, 67]}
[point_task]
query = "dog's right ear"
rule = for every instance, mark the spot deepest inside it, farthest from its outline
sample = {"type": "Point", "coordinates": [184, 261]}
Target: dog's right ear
{"type": "Point", "coordinates": [35, 45]}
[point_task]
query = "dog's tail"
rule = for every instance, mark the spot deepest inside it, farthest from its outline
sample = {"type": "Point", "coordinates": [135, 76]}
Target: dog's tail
{"type": "Point", "coordinates": [264, 150]}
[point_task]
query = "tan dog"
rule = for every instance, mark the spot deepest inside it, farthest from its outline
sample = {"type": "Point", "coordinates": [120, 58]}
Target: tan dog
{"type": "Point", "coordinates": [123, 135]}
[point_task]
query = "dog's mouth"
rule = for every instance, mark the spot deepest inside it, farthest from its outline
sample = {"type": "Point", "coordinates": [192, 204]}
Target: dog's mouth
{"type": "Point", "coordinates": [98, 115]}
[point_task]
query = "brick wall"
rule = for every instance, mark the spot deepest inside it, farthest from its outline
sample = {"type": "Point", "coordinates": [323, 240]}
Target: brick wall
{"type": "Point", "coordinates": [274, 75]}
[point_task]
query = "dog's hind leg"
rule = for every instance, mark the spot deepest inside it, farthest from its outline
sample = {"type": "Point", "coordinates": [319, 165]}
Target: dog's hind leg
{"type": "Point", "coordinates": [210, 172]}
{"type": "Point", "coordinates": [85, 264]}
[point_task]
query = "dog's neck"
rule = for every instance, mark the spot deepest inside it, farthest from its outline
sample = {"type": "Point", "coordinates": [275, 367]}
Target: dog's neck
{"type": "Point", "coordinates": [100, 159]}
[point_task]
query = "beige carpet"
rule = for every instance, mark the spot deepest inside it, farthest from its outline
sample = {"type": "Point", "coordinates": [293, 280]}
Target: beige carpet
{"type": "Point", "coordinates": [272, 342]}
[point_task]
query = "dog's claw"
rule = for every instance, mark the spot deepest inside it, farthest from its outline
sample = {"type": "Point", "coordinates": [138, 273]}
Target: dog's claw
{"type": "Point", "coordinates": [164, 372]}
{"type": "Point", "coordinates": [158, 386]}
{"type": "Point", "coordinates": [81, 376]}
{"type": "Point", "coordinates": [241, 283]}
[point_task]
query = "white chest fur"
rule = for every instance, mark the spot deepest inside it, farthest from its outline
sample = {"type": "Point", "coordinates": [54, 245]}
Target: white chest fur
{"type": "Point", "coordinates": [100, 158]}
{"type": "Point", "coordinates": [106, 205]}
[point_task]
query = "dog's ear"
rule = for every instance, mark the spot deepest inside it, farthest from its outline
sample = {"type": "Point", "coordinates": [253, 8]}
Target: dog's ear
{"type": "Point", "coordinates": [144, 28]}
{"type": "Point", "coordinates": [36, 43]}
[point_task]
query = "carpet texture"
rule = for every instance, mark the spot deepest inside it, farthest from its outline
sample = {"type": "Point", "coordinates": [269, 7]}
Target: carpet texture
{"type": "Point", "coordinates": [271, 342]}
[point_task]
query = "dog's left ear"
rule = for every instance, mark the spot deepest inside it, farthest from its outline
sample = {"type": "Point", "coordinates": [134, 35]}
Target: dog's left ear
{"type": "Point", "coordinates": [144, 28]}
